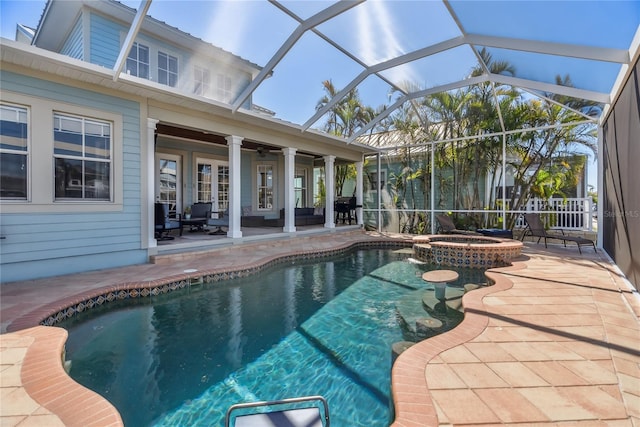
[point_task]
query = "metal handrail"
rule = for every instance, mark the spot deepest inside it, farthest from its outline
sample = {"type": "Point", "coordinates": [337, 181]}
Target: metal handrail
{"type": "Point", "coordinates": [279, 402]}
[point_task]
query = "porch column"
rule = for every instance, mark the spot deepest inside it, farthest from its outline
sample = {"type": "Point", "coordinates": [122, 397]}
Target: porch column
{"type": "Point", "coordinates": [149, 165]}
{"type": "Point", "coordinates": [234, 142]}
{"type": "Point", "coordinates": [329, 176]}
{"type": "Point", "coordinates": [289, 190]}
{"type": "Point", "coordinates": [359, 166]}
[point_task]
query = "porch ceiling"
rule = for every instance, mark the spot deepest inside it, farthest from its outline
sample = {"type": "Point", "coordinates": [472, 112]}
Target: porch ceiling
{"type": "Point", "coordinates": [212, 138]}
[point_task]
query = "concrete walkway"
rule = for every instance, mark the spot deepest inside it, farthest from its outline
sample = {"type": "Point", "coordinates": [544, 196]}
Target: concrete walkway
{"type": "Point", "coordinates": [554, 342]}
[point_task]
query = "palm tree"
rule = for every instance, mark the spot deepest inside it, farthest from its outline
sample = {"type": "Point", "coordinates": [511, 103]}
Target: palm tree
{"type": "Point", "coordinates": [344, 119]}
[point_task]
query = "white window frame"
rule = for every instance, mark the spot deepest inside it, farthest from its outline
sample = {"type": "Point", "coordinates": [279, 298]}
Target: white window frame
{"type": "Point", "coordinates": [179, 178]}
{"type": "Point", "coordinates": [224, 88]}
{"type": "Point", "coordinates": [26, 153]}
{"type": "Point", "coordinates": [84, 157]}
{"type": "Point", "coordinates": [201, 81]}
{"type": "Point", "coordinates": [137, 46]}
{"type": "Point", "coordinates": [268, 207]}
{"type": "Point", "coordinates": [168, 72]}
{"type": "Point", "coordinates": [41, 199]}
{"type": "Point", "coordinates": [219, 202]}
{"type": "Point", "coordinates": [305, 188]}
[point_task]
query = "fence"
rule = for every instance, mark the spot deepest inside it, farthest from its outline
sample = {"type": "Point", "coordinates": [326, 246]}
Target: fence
{"type": "Point", "coordinates": [557, 213]}
{"type": "Point", "coordinates": [568, 214]}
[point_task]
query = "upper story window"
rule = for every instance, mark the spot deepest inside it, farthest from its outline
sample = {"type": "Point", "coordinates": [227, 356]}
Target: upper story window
{"type": "Point", "coordinates": [224, 88]}
{"type": "Point", "coordinates": [167, 69]}
{"type": "Point", "coordinates": [14, 152]}
{"type": "Point", "coordinates": [201, 81]}
{"type": "Point", "coordinates": [82, 150]}
{"type": "Point", "coordinates": [138, 61]}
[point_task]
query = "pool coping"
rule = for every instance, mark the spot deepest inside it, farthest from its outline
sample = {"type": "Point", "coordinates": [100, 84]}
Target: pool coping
{"type": "Point", "coordinates": [411, 397]}
{"type": "Point", "coordinates": [52, 396]}
{"type": "Point", "coordinates": [52, 313]}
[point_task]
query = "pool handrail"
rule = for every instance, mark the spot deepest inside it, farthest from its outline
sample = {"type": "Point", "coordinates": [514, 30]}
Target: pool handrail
{"type": "Point", "coordinates": [316, 399]}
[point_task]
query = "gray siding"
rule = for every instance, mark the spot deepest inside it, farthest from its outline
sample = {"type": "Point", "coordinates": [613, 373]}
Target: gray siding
{"type": "Point", "coordinates": [73, 46]}
{"type": "Point", "coordinates": [39, 244]}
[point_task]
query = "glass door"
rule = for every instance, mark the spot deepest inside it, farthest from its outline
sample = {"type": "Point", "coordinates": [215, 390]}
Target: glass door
{"type": "Point", "coordinates": [212, 183]}
{"type": "Point", "coordinates": [169, 182]}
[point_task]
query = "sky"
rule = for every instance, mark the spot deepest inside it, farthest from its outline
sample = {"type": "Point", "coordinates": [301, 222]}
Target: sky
{"type": "Point", "coordinates": [379, 31]}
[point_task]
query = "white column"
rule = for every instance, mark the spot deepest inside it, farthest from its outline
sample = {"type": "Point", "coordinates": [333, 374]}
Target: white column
{"type": "Point", "coordinates": [289, 190]}
{"type": "Point", "coordinates": [359, 189]}
{"type": "Point", "coordinates": [149, 164]}
{"type": "Point", "coordinates": [234, 142]}
{"type": "Point", "coordinates": [329, 177]}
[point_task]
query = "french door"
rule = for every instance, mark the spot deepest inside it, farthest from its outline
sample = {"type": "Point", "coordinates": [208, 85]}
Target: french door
{"type": "Point", "coordinates": [169, 182]}
{"type": "Point", "coordinates": [212, 183]}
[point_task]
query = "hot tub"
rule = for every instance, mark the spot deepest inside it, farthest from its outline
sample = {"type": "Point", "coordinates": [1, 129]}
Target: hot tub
{"type": "Point", "coordinates": [466, 251]}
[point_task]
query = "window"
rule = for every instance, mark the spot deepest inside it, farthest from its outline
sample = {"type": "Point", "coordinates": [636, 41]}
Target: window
{"type": "Point", "coordinates": [138, 61]}
{"type": "Point", "coordinates": [14, 152]}
{"type": "Point", "coordinates": [169, 182]}
{"type": "Point", "coordinates": [373, 180]}
{"type": "Point", "coordinates": [300, 188]}
{"type": "Point", "coordinates": [265, 187]}
{"type": "Point", "coordinates": [223, 187]}
{"type": "Point", "coordinates": [224, 88]}
{"type": "Point", "coordinates": [167, 69]}
{"type": "Point", "coordinates": [82, 154]}
{"type": "Point", "coordinates": [201, 81]}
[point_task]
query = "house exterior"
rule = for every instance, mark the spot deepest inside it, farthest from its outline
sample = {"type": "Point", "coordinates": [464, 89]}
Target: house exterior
{"type": "Point", "coordinates": [86, 151]}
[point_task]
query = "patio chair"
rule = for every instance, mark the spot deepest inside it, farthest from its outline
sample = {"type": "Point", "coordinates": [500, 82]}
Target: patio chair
{"type": "Point", "coordinates": [164, 224]}
{"type": "Point", "coordinates": [447, 226]}
{"type": "Point", "coordinates": [200, 214]}
{"type": "Point", "coordinates": [535, 228]}
{"type": "Point", "coordinates": [221, 221]}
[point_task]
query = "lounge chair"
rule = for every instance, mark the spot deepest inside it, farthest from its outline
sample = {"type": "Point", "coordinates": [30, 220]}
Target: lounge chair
{"type": "Point", "coordinates": [164, 224]}
{"type": "Point", "coordinates": [535, 228]}
{"type": "Point", "coordinates": [221, 221]}
{"type": "Point", "coordinates": [448, 227]}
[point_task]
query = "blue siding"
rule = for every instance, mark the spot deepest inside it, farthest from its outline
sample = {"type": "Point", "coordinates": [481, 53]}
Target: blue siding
{"type": "Point", "coordinates": [74, 46]}
{"type": "Point", "coordinates": [44, 244]}
{"type": "Point", "coordinates": [105, 41]}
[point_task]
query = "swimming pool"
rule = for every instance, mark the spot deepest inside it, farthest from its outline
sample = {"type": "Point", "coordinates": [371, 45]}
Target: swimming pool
{"type": "Point", "coordinates": [303, 328]}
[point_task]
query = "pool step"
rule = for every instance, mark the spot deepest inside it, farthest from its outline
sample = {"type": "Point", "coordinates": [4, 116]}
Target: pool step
{"type": "Point", "coordinates": [422, 315]}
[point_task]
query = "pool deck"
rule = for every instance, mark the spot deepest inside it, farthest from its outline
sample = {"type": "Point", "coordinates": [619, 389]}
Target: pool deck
{"type": "Point", "coordinates": [556, 341]}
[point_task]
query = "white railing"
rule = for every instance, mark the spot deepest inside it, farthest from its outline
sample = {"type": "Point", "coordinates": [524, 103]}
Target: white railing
{"type": "Point", "coordinates": [568, 214]}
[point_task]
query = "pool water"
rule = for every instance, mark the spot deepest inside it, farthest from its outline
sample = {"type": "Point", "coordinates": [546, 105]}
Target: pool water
{"type": "Point", "coordinates": [305, 328]}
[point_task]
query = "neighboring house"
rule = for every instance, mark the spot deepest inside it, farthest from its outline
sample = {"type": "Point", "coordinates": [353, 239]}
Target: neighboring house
{"type": "Point", "coordinates": [85, 152]}
{"type": "Point", "coordinates": [405, 180]}
{"type": "Point", "coordinates": [397, 153]}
